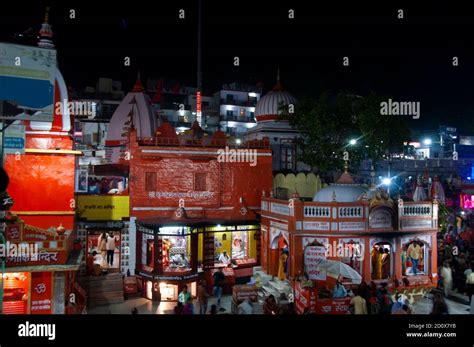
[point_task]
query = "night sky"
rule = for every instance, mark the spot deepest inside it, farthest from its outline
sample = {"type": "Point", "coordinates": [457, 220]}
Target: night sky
{"type": "Point", "coordinates": [409, 59]}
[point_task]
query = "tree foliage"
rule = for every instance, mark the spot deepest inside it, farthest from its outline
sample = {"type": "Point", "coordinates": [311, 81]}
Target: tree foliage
{"type": "Point", "coordinates": [330, 122]}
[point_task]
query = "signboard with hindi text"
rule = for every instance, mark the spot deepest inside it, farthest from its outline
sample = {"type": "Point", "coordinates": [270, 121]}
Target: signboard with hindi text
{"type": "Point", "coordinates": [313, 255]}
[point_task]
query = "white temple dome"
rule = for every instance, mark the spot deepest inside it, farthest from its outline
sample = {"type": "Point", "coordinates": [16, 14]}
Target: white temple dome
{"type": "Point", "coordinates": [340, 193]}
{"type": "Point", "coordinates": [344, 190]}
{"type": "Point", "coordinates": [268, 108]}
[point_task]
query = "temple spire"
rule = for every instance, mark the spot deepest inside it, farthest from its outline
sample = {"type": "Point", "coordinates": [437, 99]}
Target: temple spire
{"type": "Point", "coordinates": [278, 85]}
{"type": "Point", "coordinates": [46, 33]}
{"type": "Point", "coordinates": [138, 87]}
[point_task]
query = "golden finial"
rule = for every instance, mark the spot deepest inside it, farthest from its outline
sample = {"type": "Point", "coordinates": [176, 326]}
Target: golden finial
{"type": "Point", "coordinates": [46, 16]}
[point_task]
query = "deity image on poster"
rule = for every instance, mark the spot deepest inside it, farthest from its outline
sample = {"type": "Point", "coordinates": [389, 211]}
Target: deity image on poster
{"type": "Point", "coordinates": [239, 245]}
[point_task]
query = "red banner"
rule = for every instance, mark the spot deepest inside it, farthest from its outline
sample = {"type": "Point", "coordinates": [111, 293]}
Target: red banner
{"type": "Point", "coordinates": [41, 289]}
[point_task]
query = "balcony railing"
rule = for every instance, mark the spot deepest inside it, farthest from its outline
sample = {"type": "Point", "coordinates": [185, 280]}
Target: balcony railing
{"type": "Point", "coordinates": [351, 212]}
{"type": "Point", "coordinates": [206, 142]}
{"type": "Point", "coordinates": [225, 118]}
{"type": "Point", "coordinates": [417, 210]}
{"type": "Point", "coordinates": [244, 103]}
{"type": "Point", "coordinates": [317, 211]}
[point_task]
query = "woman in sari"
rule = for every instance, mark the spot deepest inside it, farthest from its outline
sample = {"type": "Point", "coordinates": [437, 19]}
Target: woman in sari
{"type": "Point", "coordinates": [282, 264]}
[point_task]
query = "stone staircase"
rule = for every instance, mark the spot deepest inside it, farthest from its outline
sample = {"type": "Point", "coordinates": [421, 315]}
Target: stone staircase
{"type": "Point", "coordinates": [270, 285]}
{"type": "Point", "coordinates": [104, 289]}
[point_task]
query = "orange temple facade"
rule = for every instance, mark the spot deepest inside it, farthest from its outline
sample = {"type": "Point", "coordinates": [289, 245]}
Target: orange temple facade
{"type": "Point", "coordinates": [384, 241]}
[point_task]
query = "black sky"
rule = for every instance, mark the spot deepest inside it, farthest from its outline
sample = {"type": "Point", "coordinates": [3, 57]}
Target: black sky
{"type": "Point", "coordinates": [409, 59]}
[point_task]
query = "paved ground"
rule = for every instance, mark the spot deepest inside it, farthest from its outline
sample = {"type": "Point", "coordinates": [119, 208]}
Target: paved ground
{"type": "Point", "coordinates": [146, 306]}
{"type": "Point", "coordinates": [457, 304]}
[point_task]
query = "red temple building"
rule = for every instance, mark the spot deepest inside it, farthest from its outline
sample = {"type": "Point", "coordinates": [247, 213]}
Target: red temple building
{"type": "Point", "coordinates": [42, 217]}
{"type": "Point", "coordinates": [194, 200]}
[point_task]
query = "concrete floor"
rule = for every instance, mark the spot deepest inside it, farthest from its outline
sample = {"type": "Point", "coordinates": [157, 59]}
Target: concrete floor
{"type": "Point", "coordinates": [145, 306]}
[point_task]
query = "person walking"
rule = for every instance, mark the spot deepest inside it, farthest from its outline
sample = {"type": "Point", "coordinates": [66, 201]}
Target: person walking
{"type": "Point", "coordinates": [447, 278]}
{"type": "Point", "coordinates": [102, 246]}
{"type": "Point", "coordinates": [470, 283]}
{"type": "Point", "coordinates": [202, 297]}
{"type": "Point", "coordinates": [219, 279]}
{"type": "Point", "coordinates": [110, 247]}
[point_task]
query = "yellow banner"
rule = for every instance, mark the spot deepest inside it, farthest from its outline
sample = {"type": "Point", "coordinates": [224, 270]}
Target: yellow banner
{"type": "Point", "coordinates": [103, 207]}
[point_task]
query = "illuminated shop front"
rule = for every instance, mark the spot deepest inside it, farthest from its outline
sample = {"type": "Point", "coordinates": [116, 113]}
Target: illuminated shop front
{"type": "Point", "coordinates": [467, 200]}
{"type": "Point", "coordinates": [170, 257]}
{"type": "Point", "coordinates": [40, 269]}
{"type": "Point", "coordinates": [102, 216]}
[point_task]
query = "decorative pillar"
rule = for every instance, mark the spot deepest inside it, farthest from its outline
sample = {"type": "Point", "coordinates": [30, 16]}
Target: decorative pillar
{"type": "Point", "coordinates": [194, 250]}
{"type": "Point", "coordinates": [397, 257]}
{"type": "Point", "coordinates": [367, 270]}
{"type": "Point", "coordinates": [158, 253]}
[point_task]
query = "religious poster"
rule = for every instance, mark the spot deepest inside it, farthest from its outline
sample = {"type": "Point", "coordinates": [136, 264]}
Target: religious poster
{"type": "Point", "coordinates": [41, 290]}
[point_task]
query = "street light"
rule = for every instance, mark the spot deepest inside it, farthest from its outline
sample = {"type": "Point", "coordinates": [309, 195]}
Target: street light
{"type": "Point", "coordinates": [386, 182]}
{"type": "Point", "coordinates": [353, 142]}
{"type": "Point", "coordinates": [427, 142]}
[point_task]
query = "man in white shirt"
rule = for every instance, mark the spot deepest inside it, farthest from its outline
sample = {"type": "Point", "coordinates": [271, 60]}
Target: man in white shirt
{"type": "Point", "coordinates": [111, 239]}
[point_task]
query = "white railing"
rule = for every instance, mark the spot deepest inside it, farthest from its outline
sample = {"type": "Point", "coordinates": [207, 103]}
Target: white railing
{"type": "Point", "coordinates": [416, 210]}
{"type": "Point", "coordinates": [351, 212]}
{"type": "Point", "coordinates": [317, 211]}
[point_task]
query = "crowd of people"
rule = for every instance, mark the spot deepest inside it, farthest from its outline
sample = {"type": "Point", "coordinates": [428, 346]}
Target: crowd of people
{"type": "Point", "coordinates": [455, 254]}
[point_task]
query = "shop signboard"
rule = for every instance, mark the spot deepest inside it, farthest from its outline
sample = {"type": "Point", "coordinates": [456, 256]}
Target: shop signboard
{"type": "Point", "coordinates": [42, 257]}
{"type": "Point", "coordinates": [106, 208]}
{"type": "Point", "coordinates": [313, 255]}
{"type": "Point", "coordinates": [305, 299]}
{"type": "Point", "coordinates": [14, 142]}
{"type": "Point", "coordinates": [41, 289]}
{"type": "Point", "coordinates": [333, 306]}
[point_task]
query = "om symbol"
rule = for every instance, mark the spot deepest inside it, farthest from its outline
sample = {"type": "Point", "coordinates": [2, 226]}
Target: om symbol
{"type": "Point", "coordinates": [40, 288]}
